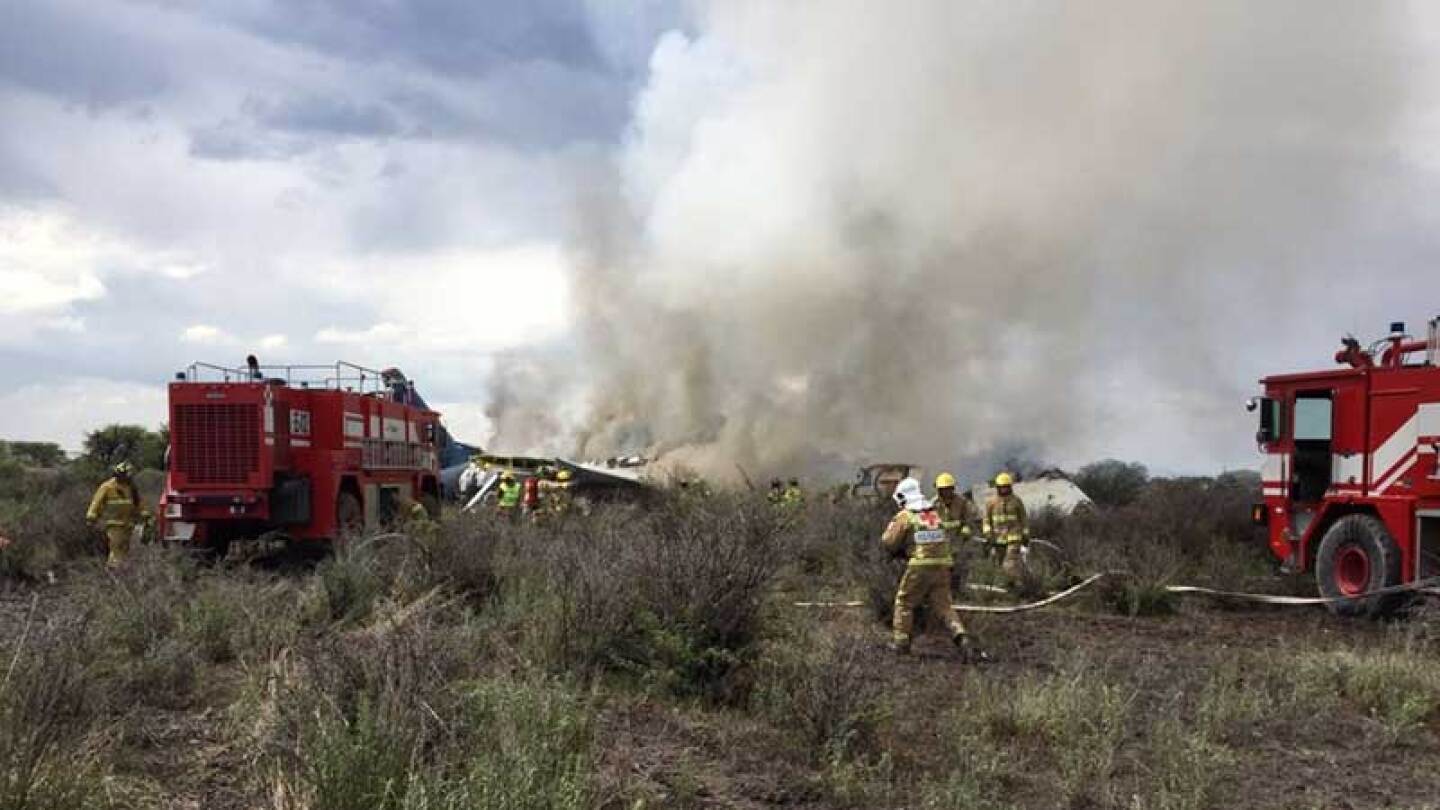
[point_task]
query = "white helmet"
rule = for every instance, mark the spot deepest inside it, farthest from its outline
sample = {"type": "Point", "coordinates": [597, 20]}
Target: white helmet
{"type": "Point", "coordinates": [908, 495]}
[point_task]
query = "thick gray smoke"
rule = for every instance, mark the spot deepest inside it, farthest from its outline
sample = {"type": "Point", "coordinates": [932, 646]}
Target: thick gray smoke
{"type": "Point", "coordinates": [936, 231]}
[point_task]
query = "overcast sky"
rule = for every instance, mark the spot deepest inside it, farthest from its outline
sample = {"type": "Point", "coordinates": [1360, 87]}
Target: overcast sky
{"type": "Point", "coordinates": [395, 182]}
{"type": "Point", "coordinates": [385, 182]}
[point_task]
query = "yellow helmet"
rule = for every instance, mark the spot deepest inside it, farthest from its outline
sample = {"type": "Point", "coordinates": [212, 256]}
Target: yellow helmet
{"type": "Point", "coordinates": [943, 480]}
{"type": "Point", "coordinates": [1004, 479]}
{"type": "Point", "coordinates": [564, 475]}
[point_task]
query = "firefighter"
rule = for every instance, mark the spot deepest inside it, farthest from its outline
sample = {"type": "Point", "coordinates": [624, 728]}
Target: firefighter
{"type": "Point", "coordinates": [507, 497]}
{"type": "Point", "coordinates": [117, 510]}
{"type": "Point", "coordinates": [958, 515]}
{"type": "Point", "coordinates": [1005, 524]}
{"type": "Point", "coordinates": [530, 495]}
{"type": "Point", "coordinates": [916, 532]}
{"type": "Point", "coordinates": [416, 520]}
{"type": "Point", "coordinates": [559, 497]}
{"type": "Point", "coordinates": [794, 496]}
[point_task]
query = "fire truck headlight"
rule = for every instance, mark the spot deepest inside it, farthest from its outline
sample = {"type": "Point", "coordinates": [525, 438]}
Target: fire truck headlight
{"type": "Point", "coordinates": [1260, 515]}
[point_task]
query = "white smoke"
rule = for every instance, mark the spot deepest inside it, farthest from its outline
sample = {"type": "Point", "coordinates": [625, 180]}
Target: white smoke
{"type": "Point", "coordinates": [938, 231]}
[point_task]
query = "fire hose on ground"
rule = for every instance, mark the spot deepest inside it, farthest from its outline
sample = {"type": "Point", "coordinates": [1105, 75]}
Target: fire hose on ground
{"type": "Point", "coordinates": [1429, 586]}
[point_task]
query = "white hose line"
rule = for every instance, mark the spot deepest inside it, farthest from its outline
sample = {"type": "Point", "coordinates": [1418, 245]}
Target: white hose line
{"type": "Point", "coordinates": [1421, 586]}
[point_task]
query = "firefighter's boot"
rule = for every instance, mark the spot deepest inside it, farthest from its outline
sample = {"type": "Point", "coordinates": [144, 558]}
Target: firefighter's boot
{"type": "Point", "coordinates": [970, 652]}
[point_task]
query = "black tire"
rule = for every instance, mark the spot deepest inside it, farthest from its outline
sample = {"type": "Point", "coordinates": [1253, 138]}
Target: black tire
{"type": "Point", "coordinates": [349, 516]}
{"type": "Point", "coordinates": [1356, 556]}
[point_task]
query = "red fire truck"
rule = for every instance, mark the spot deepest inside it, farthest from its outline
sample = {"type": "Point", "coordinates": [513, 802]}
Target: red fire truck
{"type": "Point", "coordinates": [309, 453]}
{"type": "Point", "coordinates": [1351, 486]}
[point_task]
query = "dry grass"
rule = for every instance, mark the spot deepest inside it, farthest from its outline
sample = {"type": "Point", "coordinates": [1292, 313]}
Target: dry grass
{"type": "Point", "coordinates": [508, 665]}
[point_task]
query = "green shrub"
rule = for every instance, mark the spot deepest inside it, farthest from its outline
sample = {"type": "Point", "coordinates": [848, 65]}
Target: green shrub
{"type": "Point", "coordinates": [1077, 717]}
{"type": "Point", "coordinates": [673, 596]}
{"type": "Point", "coordinates": [529, 746]}
{"type": "Point", "coordinates": [823, 689]}
{"type": "Point", "coordinates": [1396, 685]}
{"type": "Point", "coordinates": [50, 706]}
{"type": "Point", "coordinates": [1186, 766]}
{"type": "Point", "coordinates": [351, 582]}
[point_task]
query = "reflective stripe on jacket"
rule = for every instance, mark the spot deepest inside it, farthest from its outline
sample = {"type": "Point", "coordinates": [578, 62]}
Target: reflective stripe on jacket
{"type": "Point", "coordinates": [117, 504]}
{"type": "Point", "coordinates": [509, 494]}
{"type": "Point", "coordinates": [928, 541]}
{"type": "Point", "coordinates": [1005, 519]}
{"type": "Point", "coordinates": [957, 518]}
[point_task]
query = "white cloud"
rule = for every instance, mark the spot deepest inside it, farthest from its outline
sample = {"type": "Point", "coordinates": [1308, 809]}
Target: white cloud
{"type": "Point", "coordinates": [273, 341]}
{"type": "Point", "coordinates": [47, 263]}
{"type": "Point", "coordinates": [460, 301]}
{"type": "Point", "coordinates": [380, 332]}
{"type": "Point", "coordinates": [63, 413]}
{"type": "Point", "coordinates": [205, 334]}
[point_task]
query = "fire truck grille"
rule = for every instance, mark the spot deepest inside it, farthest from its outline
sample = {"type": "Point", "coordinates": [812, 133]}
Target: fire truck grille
{"type": "Point", "coordinates": [217, 444]}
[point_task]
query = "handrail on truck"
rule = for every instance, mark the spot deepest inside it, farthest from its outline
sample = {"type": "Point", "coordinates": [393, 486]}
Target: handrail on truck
{"type": "Point", "coordinates": [338, 376]}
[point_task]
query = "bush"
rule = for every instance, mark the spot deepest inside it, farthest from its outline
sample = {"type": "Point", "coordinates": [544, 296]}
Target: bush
{"type": "Point", "coordinates": [49, 708]}
{"type": "Point", "coordinates": [822, 689]}
{"type": "Point", "coordinates": [351, 581]}
{"type": "Point", "coordinates": [1193, 530]}
{"type": "Point", "coordinates": [672, 596]}
{"type": "Point", "coordinates": [399, 715]}
{"type": "Point", "coordinates": [1396, 685]}
{"type": "Point", "coordinates": [43, 512]}
{"type": "Point", "coordinates": [529, 746]}
{"type": "Point", "coordinates": [1112, 483]}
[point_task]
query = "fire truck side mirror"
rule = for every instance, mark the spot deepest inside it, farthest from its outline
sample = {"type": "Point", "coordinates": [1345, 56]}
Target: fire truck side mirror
{"type": "Point", "coordinates": [1269, 420]}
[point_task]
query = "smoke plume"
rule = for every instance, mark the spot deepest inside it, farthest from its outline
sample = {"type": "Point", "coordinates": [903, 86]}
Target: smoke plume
{"type": "Point", "coordinates": [938, 231]}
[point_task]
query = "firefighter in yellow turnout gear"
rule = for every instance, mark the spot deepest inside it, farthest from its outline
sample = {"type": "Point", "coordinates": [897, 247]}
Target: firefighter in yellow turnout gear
{"type": "Point", "coordinates": [793, 497]}
{"type": "Point", "coordinates": [959, 517]}
{"type": "Point", "coordinates": [116, 509]}
{"type": "Point", "coordinates": [916, 531]}
{"type": "Point", "coordinates": [417, 523]}
{"type": "Point", "coordinates": [507, 495]}
{"type": "Point", "coordinates": [1006, 524]}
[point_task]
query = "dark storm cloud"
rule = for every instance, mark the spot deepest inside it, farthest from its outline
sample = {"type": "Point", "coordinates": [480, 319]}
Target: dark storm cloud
{"type": "Point", "coordinates": [60, 49]}
{"type": "Point", "coordinates": [326, 115]}
{"type": "Point", "coordinates": [462, 37]}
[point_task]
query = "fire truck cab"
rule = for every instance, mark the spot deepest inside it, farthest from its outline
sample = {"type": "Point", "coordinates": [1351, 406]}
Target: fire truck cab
{"type": "Point", "coordinates": [309, 453]}
{"type": "Point", "coordinates": [1351, 487]}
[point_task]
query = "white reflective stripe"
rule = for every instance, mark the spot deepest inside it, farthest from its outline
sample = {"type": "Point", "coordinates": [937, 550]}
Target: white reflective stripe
{"type": "Point", "coordinates": [1272, 471]}
{"type": "Point", "coordinates": [1274, 492]}
{"type": "Point", "coordinates": [354, 445]}
{"type": "Point", "coordinates": [1347, 470]}
{"type": "Point", "coordinates": [1428, 423]}
{"type": "Point", "coordinates": [929, 537]}
{"type": "Point", "coordinates": [1403, 466]}
{"type": "Point", "coordinates": [299, 442]}
{"type": "Point", "coordinates": [1385, 464]}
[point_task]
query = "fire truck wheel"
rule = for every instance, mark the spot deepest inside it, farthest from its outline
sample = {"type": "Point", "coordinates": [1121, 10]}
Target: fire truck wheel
{"type": "Point", "coordinates": [1357, 556]}
{"type": "Point", "coordinates": [349, 516]}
